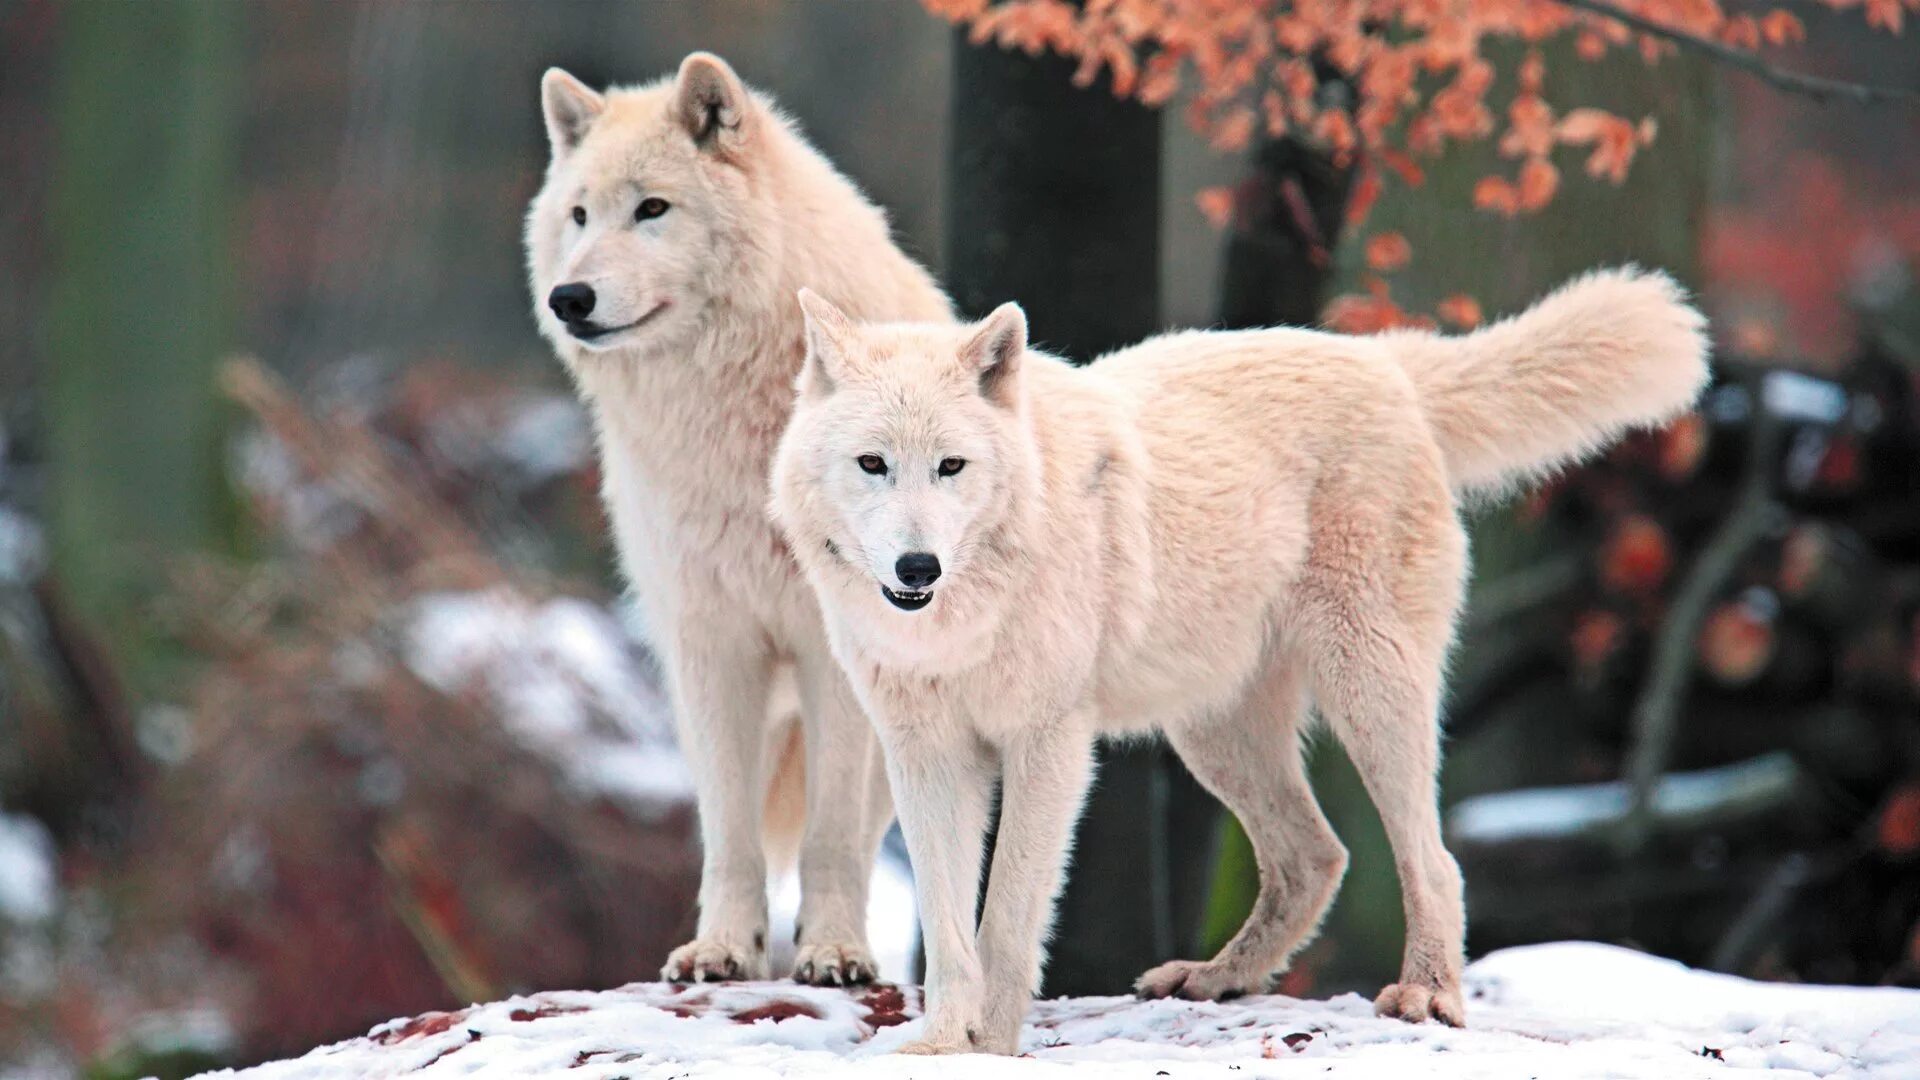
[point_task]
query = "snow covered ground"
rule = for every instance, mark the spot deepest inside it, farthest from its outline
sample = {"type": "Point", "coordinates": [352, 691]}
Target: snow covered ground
{"type": "Point", "coordinates": [1560, 1011]}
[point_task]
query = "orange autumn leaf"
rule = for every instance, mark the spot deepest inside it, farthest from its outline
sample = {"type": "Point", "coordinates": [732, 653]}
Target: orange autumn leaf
{"type": "Point", "coordinates": [1273, 108]}
{"type": "Point", "coordinates": [1782, 28]}
{"type": "Point", "coordinates": [1353, 314]}
{"type": "Point", "coordinates": [1614, 140]}
{"type": "Point", "coordinates": [1216, 203]}
{"type": "Point", "coordinates": [1235, 131]}
{"type": "Point", "coordinates": [1741, 32]}
{"type": "Point", "coordinates": [1496, 194]}
{"type": "Point", "coordinates": [1388, 251]}
{"type": "Point", "coordinates": [1405, 167]}
{"type": "Point", "coordinates": [1538, 181]}
{"type": "Point", "coordinates": [1366, 191]}
{"type": "Point", "coordinates": [1335, 128]}
{"type": "Point", "coordinates": [1530, 131]}
{"type": "Point", "coordinates": [1885, 15]}
{"type": "Point", "coordinates": [1461, 310]}
{"type": "Point", "coordinates": [1533, 72]}
{"type": "Point", "coordinates": [1582, 125]}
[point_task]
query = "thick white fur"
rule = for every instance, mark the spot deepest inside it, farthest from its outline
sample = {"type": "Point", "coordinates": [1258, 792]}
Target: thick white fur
{"type": "Point", "coordinates": [1197, 535]}
{"type": "Point", "coordinates": [687, 407]}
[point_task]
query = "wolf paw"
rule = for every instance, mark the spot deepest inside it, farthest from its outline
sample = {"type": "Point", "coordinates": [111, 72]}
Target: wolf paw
{"type": "Point", "coordinates": [834, 965]}
{"type": "Point", "coordinates": [1195, 980]}
{"type": "Point", "coordinates": [936, 1047]}
{"type": "Point", "coordinates": [1415, 1003]}
{"type": "Point", "coordinates": [703, 960]}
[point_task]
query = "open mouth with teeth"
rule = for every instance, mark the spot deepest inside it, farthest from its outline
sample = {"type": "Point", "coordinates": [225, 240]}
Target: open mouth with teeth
{"type": "Point", "coordinates": [908, 599]}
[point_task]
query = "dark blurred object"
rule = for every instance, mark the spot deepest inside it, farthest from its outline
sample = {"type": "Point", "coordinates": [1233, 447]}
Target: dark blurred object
{"type": "Point", "coordinates": [67, 753]}
{"type": "Point", "coordinates": [412, 773]}
{"type": "Point", "coordinates": [1289, 210]}
{"type": "Point", "coordinates": [1738, 634]}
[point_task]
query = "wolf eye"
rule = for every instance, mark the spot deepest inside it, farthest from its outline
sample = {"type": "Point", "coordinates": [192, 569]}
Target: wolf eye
{"type": "Point", "coordinates": [649, 209]}
{"type": "Point", "coordinates": [579, 215]}
{"type": "Point", "coordinates": [951, 466]}
{"type": "Point", "coordinates": [873, 464]}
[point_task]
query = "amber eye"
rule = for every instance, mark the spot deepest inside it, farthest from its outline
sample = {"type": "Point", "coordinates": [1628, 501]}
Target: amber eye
{"type": "Point", "coordinates": [873, 464]}
{"type": "Point", "coordinates": [649, 209]}
{"type": "Point", "coordinates": [579, 215]}
{"type": "Point", "coordinates": [951, 466]}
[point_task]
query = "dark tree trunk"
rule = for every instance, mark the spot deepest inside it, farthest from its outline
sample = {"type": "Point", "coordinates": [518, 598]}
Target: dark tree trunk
{"type": "Point", "coordinates": [139, 309]}
{"type": "Point", "coordinates": [1054, 201]}
{"type": "Point", "coordinates": [1287, 215]}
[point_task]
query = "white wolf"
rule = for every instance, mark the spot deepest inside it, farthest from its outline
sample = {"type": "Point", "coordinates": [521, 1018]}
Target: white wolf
{"type": "Point", "coordinates": [676, 221]}
{"type": "Point", "coordinates": [1193, 535]}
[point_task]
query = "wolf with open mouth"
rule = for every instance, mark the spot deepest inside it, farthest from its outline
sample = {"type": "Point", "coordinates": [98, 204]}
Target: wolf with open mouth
{"type": "Point", "coordinates": [1196, 536]}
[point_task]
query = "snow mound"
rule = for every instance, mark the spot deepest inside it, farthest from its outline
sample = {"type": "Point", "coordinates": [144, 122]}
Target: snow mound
{"type": "Point", "coordinates": [1562, 1011]}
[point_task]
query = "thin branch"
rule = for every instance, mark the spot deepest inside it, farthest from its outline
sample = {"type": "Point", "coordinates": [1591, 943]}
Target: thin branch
{"type": "Point", "coordinates": [1792, 82]}
{"type": "Point", "coordinates": [1656, 715]}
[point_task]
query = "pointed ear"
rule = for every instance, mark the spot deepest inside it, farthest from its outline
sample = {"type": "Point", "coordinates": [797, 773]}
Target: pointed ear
{"type": "Point", "coordinates": [571, 107]}
{"type": "Point", "coordinates": [829, 334]}
{"type": "Point", "coordinates": [995, 351]}
{"type": "Point", "coordinates": [711, 101]}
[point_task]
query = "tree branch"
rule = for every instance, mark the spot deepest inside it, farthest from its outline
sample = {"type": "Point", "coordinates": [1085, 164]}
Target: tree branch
{"type": "Point", "coordinates": [1792, 82]}
{"type": "Point", "coordinates": [1656, 715]}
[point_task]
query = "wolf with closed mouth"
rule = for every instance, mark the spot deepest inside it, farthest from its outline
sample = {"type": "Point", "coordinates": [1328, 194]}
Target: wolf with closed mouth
{"type": "Point", "coordinates": [675, 223]}
{"type": "Point", "coordinates": [1198, 536]}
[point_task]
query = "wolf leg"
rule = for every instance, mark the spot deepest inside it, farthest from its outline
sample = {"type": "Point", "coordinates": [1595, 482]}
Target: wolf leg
{"type": "Point", "coordinates": [1377, 631]}
{"type": "Point", "coordinates": [1043, 787]}
{"type": "Point", "coordinates": [1250, 759]}
{"type": "Point", "coordinates": [718, 677]}
{"type": "Point", "coordinates": [848, 810]}
{"type": "Point", "coordinates": [941, 783]}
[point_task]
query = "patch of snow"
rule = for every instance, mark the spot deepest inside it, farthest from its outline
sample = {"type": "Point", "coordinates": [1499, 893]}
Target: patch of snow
{"type": "Point", "coordinates": [547, 436]}
{"type": "Point", "coordinates": [1545, 813]}
{"type": "Point", "coordinates": [893, 917]}
{"type": "Point", "coordinates": [23, 550]}
{"type": "Point", "coordinates": [1795, 396]}
{"type": "Point", "coordinates": [29, 888]}
{"type": "Point", "coordinates": [1562, 1011]}
{"type": "Point", "coordinates": [313, 514]}
{"type": "Point", "coordinates": [565, 677]}
{"type": "Point", "coordinates": [204, 1029]}
{"type": "Point", "coordinates": [893, 921]}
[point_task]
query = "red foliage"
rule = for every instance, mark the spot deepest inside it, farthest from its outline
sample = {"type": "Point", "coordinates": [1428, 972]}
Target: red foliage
{"type": "Point", "coordinates": [1420, 72]}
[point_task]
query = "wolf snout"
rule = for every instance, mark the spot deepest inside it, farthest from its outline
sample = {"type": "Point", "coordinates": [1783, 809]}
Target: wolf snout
{"type": "Point", "coordinates": [572, 302]}
{"type": "Point", "coordinates": [917, 569]}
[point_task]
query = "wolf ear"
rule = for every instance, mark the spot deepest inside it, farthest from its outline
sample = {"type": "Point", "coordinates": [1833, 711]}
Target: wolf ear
{"type": "Point", "coordinates": [995, 351]}
{"type": "Point", "coordinates": [571, 107]}
{"type": "Point", "coordinates": [711, 101]}
{"type": "Point", "coordinates": [829, 334]}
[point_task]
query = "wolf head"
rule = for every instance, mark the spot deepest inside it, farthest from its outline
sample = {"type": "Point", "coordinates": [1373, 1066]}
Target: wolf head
{"type": "Point", "coordinates": [910, 447]}
{"type": "Point", "coordinates": [646, 210]}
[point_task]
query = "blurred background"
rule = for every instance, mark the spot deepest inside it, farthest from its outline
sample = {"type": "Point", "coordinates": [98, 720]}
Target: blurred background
{"type": "Point", "coordinates": [318, 702]}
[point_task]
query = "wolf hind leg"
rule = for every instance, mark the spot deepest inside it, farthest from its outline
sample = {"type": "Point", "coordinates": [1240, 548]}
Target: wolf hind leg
{"type": "Point", "coordinates": [1250, 759]}
{"type": "Point", "coordinates": [1377, 638]}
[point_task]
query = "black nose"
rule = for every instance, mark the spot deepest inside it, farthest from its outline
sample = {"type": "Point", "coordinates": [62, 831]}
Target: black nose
{"type": "Point", "coordinates": [917, 569]}
{"type": "Point", "coordinates": [572, 302]}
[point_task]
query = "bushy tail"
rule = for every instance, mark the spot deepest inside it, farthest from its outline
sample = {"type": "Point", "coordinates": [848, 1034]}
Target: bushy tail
{"type": "Point", "coordinates": [1610, 351]}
